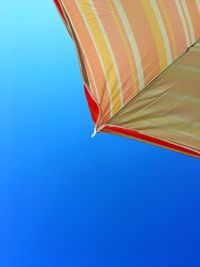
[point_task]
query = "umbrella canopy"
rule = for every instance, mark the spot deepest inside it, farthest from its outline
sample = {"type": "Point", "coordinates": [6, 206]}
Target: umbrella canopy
{"type": "Point", "coordinates": [140, 64]}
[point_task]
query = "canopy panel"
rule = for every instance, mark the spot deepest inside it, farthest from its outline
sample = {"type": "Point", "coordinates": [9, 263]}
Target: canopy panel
{"type": "Point", "coordinates": [169, 108]}
{"type": "Point", "coordinates": [139, 70]}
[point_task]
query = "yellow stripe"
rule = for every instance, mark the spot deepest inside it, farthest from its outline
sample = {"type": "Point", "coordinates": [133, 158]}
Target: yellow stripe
{"type": "Point", "coordinates": [108, 43]}
{"type": "Point", "coordinates": [156, 32]}
{"type": "Point", "coordinates": [105, 55]}
{"type": "Point", "coordinates": [169, 26]}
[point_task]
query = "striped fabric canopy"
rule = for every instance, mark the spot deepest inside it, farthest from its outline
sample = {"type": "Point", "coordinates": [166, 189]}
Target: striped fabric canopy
{"type": "Point", "coordinates": [140, 64]}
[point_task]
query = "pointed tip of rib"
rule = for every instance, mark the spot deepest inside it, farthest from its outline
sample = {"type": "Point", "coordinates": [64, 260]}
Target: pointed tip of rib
{"type": "Point", "coordinates": [94, 133]}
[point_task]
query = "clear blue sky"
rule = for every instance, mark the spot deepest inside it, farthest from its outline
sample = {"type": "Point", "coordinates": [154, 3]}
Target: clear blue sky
{"type": "Point", "coordinates": [67, 200]}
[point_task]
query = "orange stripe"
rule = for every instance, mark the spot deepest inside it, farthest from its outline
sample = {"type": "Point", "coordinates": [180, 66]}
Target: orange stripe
{"type": "Point", "coordinates": [124, 53]}
{"type": "Point", "coordinates": [177, 26]}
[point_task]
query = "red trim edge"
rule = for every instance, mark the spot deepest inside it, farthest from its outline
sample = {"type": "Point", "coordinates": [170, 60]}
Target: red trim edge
{"type": "Point", "coordinates": [57, 3]}
{"type": "Point", "coordinates": [150, 139]}
{"type": "Point", "coordinates": [94, 109]}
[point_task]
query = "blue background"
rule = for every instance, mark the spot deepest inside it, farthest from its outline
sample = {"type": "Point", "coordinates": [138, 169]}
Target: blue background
{"type": "Point", "coordinates": [67, 199]}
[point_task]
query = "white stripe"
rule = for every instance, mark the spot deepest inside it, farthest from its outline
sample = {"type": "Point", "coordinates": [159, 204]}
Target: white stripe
{"type": "Point", "coordinates": [162, 30]}
{"type": "Point", "coordinates": [187, 13]}
{"type": "Point", "coordinates": [198, 5]}
{"type": "Point", "coordinates": [183, 23]}
{"type": "Point", "coordinates": [84, 53]}
{"type": "Point", "coordinates": [132, 41]}
{"type": "Point", "coordinates": [110, 51]}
